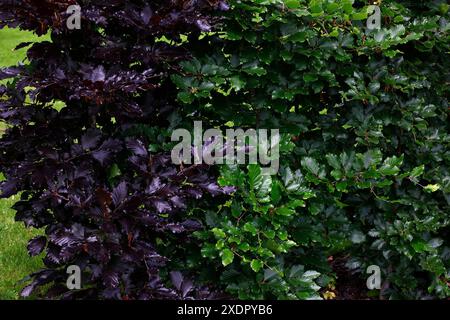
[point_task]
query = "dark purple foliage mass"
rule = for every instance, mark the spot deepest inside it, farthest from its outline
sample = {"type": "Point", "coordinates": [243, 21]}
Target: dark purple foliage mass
{"type": "Point", "coordinates": [107, 203]}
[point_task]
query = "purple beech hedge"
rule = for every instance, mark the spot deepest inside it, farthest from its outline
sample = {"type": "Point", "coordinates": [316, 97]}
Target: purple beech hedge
{"type": "Point", "coordinates": [85, 173]}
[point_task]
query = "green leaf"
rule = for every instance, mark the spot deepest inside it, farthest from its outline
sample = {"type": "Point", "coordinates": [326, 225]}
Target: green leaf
{"type": "Point", "coordinates": [389, 171]}
{"type": "Point", "coordinates": [185, 97]}
{"type": "Point", "coordinates": [432, 188]}
{"type": "Point", "coordinates": [237, 83]}
{"type": "Point", "coordinates": [244, 246]}
{"type": "Point", "coordinates": [256, 265]}
{"type": "Point", "coordinates": [227, 257]}
{"type": "Point", "coordinates": [420, 245]}
{"type": "Point", "coordinates": [433, 264]}
{"type": "Point", "coordinates": [310, 275]}
{"type": "Point", "coordinates": [347, 5]}
{"type": "Point", "coordinates": [276, 192]}
{"type": "Point", "coordinates": [295, 203]}
{"type": "Point", "coordinates": [296, 271]}
{"type": "Point", "coordinates": [332, 7]}
{"type": "Point", "coordinates": [219, 233]}
{"type": "Point", "coordinates": [333, 160]}
{"type": "Point", "coordinates": [254, 70]}
{"type": "Point", "coordinates": [371, 158]}
{"type": "Point", "coordinates": [269, 234]}
{"type": "Point", "coordinates": [231, 175]}
{"type": "Point", "coordinates": [259, 182]}
{"type": "Point", "coordinates": [391, 165]}
{"type": "Point", "coordinates": [313, 166]}
{"type": "Point", "coordinates": [359, 15]}
{"type": "Point", "coordinates": [269, 274]}
{"type": "Point", "coordinates": [292, 181]}
{"type": "Point", "coordinates": [316, 7]}
{"type": "Point", "coordinates": [250, 227]}
{"type": "Point", "coordinates": [310, 77]}
{"type": "Point", "coordinates": [298, 37]}
{"type": "Point", "coordinates": [435, 242]}
{"type": "Point", "coordinates": [114, 171]}
{"type": "Point", "coordinates": [417, 172]}
{"type": "Point", "coordinates": [292, 4]}
{"type": "Point", "coordinates": [358, 237]}
{"type": "Point", "coordinates": [208, 251]}
{"type": "Point", "coordinates": [284, 211]}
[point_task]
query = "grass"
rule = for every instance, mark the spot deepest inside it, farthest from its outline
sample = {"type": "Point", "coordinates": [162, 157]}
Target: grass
{"type": "Point", "coordinates": [9, 39]}
{"type": "Point", "coordinates": [15, 263]}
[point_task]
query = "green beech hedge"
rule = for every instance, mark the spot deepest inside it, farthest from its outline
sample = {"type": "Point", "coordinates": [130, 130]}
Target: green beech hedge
{"type": "Point", "coordinates": [365, 154]}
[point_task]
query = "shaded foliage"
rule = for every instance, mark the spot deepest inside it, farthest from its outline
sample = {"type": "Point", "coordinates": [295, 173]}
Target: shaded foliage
{"type": "Point", "coordinates": [366, 115]}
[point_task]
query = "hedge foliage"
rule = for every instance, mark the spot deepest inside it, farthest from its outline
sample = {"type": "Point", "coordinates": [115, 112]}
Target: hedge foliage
{"type": "Point", "coordinates": [364, 116]}
{"type": "Point", "coordinates": [85, 172]}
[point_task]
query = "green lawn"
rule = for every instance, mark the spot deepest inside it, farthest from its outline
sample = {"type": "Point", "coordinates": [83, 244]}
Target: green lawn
{"type": "Point", "coordinates": [9, 39]}
{"type": "Point", "coordinates": [14, 260]}
{"type": "Point", "coordinates": [15, 263]}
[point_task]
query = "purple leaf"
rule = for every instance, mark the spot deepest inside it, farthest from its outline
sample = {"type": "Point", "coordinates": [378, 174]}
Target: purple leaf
{"type": "Point", "coordinates": [213, 188]}
{"type": "Point", "coordinates": [192, 225]}
{"type": "Point", "coordinates": [119, 193]}
{"type": "Point", "coordinates": [229, 189]}
{"type": "Point", "coordinates": [146, 14]}
{"type": "Point", "coordinates": [101, 155]}
{"type": "Point", "coordinates": [161, 206]}
{"type": "Point", "coordinates": [8, 188]}
{"type": "Point", "coordinates": [186, 287]}
{"type": "Point", "coordinates": [203, 25]}
{"type": "Point", "coordinates": [177, 279]}
{"type": "Point", "coordinates": [10, 72]}
{"type": "Point", "coordinates": [197, 194]}
{"type": "Point", "coordinates": [59, 74]}
{"type": "Point", "coordinates": [22, 45]}
{"type": "Point", "coordinates": [111, 279]}
{"type": "Point", "coordinates": [224, 6]}
{"type": "Point", "coordinates": [98, 74]}
{"type": "Point", "coordinates": [137, 147]}
{"type": "Point", "coordinates": [178, 202]}
{"type": "Point", "coordinates": [154, 186]}
{"type": "Point", "coordinates": [36, 245]}
{"type": "Point", "coordinates": [175, 227]}
{"type": "Point", "coordinates": [62, 240]}
{"type": "Point", "coordinates": [27, 291]}
{"type": "Point", "coordinates": [90, 139]}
